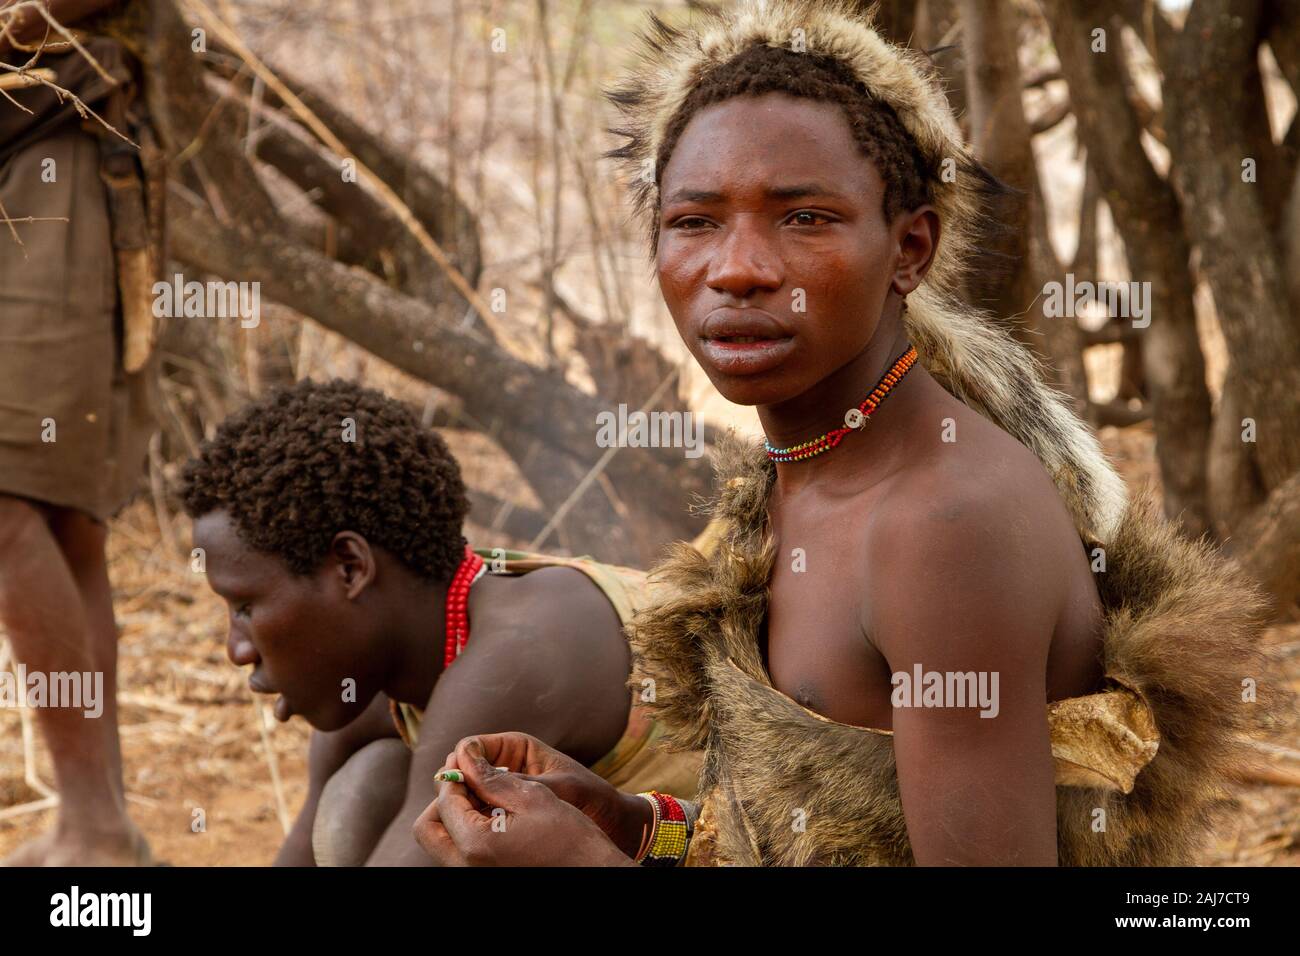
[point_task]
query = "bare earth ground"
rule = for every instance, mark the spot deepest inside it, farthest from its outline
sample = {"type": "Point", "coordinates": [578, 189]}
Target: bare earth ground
{"type": "Point", "coordinates": [193, 740]}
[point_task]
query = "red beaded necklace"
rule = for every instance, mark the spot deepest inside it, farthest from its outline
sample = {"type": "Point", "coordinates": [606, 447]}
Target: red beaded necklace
{"type": "Point", "coordinates": [470, 570]}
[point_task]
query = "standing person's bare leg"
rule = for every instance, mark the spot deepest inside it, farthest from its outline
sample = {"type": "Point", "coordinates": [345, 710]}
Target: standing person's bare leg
{"type": "Point", "coordinates": [83, 541]}
{"type": "Point", "coordinates": [43, 613]}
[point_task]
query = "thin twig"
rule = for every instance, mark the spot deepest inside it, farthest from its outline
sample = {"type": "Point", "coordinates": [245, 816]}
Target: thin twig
{"type": "Point", "coordinates": [12, 230]}
{"type": "Point", "coordinates": [14, 219]}
{"type": "Point", "coordinates": [21, 80]}
{"type": "Point", "coordinates": [36, 806]}
{"type": "Point", "coordinates": [39, 75]}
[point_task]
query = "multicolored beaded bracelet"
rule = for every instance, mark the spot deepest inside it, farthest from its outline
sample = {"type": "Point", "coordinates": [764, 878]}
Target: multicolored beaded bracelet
{"type": "Point", "coordinates": [669, 834]}
{"type": "Point", "coordinates": [826, 442]}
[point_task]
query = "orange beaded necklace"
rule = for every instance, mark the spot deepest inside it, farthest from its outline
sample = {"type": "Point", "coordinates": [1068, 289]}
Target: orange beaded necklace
{"type": "Point", "coordinates": [855, 418]}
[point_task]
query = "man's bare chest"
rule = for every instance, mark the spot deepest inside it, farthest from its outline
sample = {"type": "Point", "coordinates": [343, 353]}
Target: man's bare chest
{"type": "Point", "coordinates": [814, 643]}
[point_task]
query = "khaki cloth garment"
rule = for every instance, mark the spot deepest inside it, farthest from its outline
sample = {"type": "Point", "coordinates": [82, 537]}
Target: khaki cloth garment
{"type": "Point", "coordinates": [61, 374]}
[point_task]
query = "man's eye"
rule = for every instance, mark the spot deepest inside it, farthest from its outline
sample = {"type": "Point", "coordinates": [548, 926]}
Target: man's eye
{"type": "Point", "coordinates": [804, 216]}
{"type": "Point", "coordinates": [689, 222]}
{"type": "Point", "coordinates": [244, 610]}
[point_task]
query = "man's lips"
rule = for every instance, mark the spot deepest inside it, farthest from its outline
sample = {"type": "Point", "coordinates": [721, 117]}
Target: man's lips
{"type": "Point", "coordinates": [744, 341]}
{"type": "Point", "coordinates": [256, 685]}
{"type": "Point", "coordinates": [745, 358]}
{"type": "Point", "coordinates": [282, 709]}
{"type": "Point", "coordinates": [729, 324]}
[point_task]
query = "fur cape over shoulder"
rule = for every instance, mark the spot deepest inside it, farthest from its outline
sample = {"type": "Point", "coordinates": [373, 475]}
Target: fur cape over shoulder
{"type": "Point", "coordinates": [1181, 634]}
{"type": "Point", "coordinates": [1137, 773]}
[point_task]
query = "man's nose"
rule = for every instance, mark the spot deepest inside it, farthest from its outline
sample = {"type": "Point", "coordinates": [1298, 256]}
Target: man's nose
{"type": "Point", "coordinates": [746, 261]}
{"type": "Point", "coordinates": [240, 649]}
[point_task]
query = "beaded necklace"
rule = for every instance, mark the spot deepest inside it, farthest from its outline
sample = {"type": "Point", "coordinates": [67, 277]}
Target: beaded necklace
{"type": "Point", "coordinates": [853, 420]}
{"type": "Point", "coordinates": [470, 570]}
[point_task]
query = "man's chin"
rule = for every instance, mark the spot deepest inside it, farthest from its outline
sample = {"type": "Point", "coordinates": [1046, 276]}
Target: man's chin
{"type": "Point", "coordinates": [326, 720]}
{"type": "Point", "coordinates": [765, 389]}
{"type": "Point", "coordinates": [281, 709]}
{"type": "Point", "coordinates": [284, 710]}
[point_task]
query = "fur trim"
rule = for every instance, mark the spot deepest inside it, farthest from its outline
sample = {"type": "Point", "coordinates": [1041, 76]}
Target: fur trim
{"type": "Point", "coordinates": [961, 347]}
{"type": "Point", "coordinates": [1181, 630]}
{"type": "Point", "coordinates": [674, 60]}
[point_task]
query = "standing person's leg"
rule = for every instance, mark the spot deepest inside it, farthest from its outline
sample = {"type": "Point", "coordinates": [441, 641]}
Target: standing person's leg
{"type": "Point", "coordinates": [83, 540]}
{"type": "Point", "coordinates": [43, 612]}
{"type": "Point", "coordinates": [73, 427]}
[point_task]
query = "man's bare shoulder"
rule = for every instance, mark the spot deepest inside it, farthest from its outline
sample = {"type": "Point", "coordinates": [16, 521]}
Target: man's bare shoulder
{"type": "Point", "coordinates": [552, 626]}
{"type": "Point", "coordinates": [980, 510]}
{"type": "Point", "coordinates": [973, 472]}
{"type": "Point", "coordinates": [974, 524]}
{"type": "Point", "coordinates": [549, 600]}
{"type": "Point", "coordinates": [546, 655]}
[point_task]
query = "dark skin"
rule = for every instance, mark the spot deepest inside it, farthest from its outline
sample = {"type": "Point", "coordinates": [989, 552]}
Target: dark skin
{"type": "Point", "coordinates": [957, 555]}
{"type": "Point", "coordinates": [364, 615]}
{"type": "Point", "coordinates": [57, 608]}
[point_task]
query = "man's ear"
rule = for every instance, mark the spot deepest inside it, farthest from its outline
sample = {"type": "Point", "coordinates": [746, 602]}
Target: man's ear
{"type": "Point", "coordinates": [917, 243]}
{"type": "Point", "coordinates": [354, 562]}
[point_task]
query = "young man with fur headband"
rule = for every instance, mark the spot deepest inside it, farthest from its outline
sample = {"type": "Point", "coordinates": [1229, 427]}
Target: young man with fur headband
{"type": "Point", "coordinates": [934, 631]}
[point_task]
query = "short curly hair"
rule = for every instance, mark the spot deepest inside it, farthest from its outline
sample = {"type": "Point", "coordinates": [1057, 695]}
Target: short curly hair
{"type": "Point", "coordinates": [876, 127]}
{"type": "Point", "coordinates": [290, 479]}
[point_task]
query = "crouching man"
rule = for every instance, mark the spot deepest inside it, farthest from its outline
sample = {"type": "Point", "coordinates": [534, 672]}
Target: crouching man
{"type": "Point", "coordinates": [330, 522]}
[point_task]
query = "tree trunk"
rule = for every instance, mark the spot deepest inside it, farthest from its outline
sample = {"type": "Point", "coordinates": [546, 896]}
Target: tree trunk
{"type": "Point", "coordinates": [1205, 107]}
{"type": "Point", "coordinates": [1148, 217]}
{"type": "Point", "coordinates": [1018, 259]}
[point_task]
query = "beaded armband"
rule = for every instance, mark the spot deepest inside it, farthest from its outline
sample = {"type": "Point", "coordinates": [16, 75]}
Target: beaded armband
{"type": "Point", "coordinates": [670, 834]}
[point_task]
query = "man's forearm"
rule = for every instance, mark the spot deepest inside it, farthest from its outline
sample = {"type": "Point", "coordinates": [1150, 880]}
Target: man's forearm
{"type": "Point", "coordinates": [28, 25]}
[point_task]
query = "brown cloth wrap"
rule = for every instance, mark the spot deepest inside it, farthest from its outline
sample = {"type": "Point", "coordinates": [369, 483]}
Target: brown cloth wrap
{"type": "Point", "coordinates": [74, 424]}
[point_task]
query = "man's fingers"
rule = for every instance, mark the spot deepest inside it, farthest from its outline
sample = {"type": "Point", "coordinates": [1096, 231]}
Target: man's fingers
{"type": "Point", "coordinates": [563, 785]}
{"type": "Point", "coordinates": [464, 823]}
{"type": "Point", "coordinates": [497, 750]}
{"type": "Point", "coordinates": [433, 838]}
{"type": "Point", "coordinates": [489, 783]}
{"type": "Point", "coordinates": [522, 753]}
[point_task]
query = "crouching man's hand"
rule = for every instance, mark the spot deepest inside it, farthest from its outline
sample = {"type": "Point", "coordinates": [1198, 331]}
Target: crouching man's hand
{"type": "Point", "coordinates": [516, 818]}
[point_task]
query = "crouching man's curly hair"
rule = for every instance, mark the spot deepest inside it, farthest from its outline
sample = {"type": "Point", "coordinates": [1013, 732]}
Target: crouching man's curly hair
{"type": "Point", "coordinates": [285, 471]}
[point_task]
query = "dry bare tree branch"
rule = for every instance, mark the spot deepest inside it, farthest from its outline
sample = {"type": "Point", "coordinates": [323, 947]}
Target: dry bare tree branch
{"type": "Point", "coordinates": [1050, 118]}
{"type": "Point", "coordinates": [433, 344]}
{"type": "Point", "coordinates": [1267, 542]}
{"type": "Point", "coordinates": [327, 136]}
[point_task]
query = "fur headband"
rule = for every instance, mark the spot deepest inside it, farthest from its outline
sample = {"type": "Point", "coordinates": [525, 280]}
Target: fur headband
{"type": "Point", "coordinates": [960, 347]}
